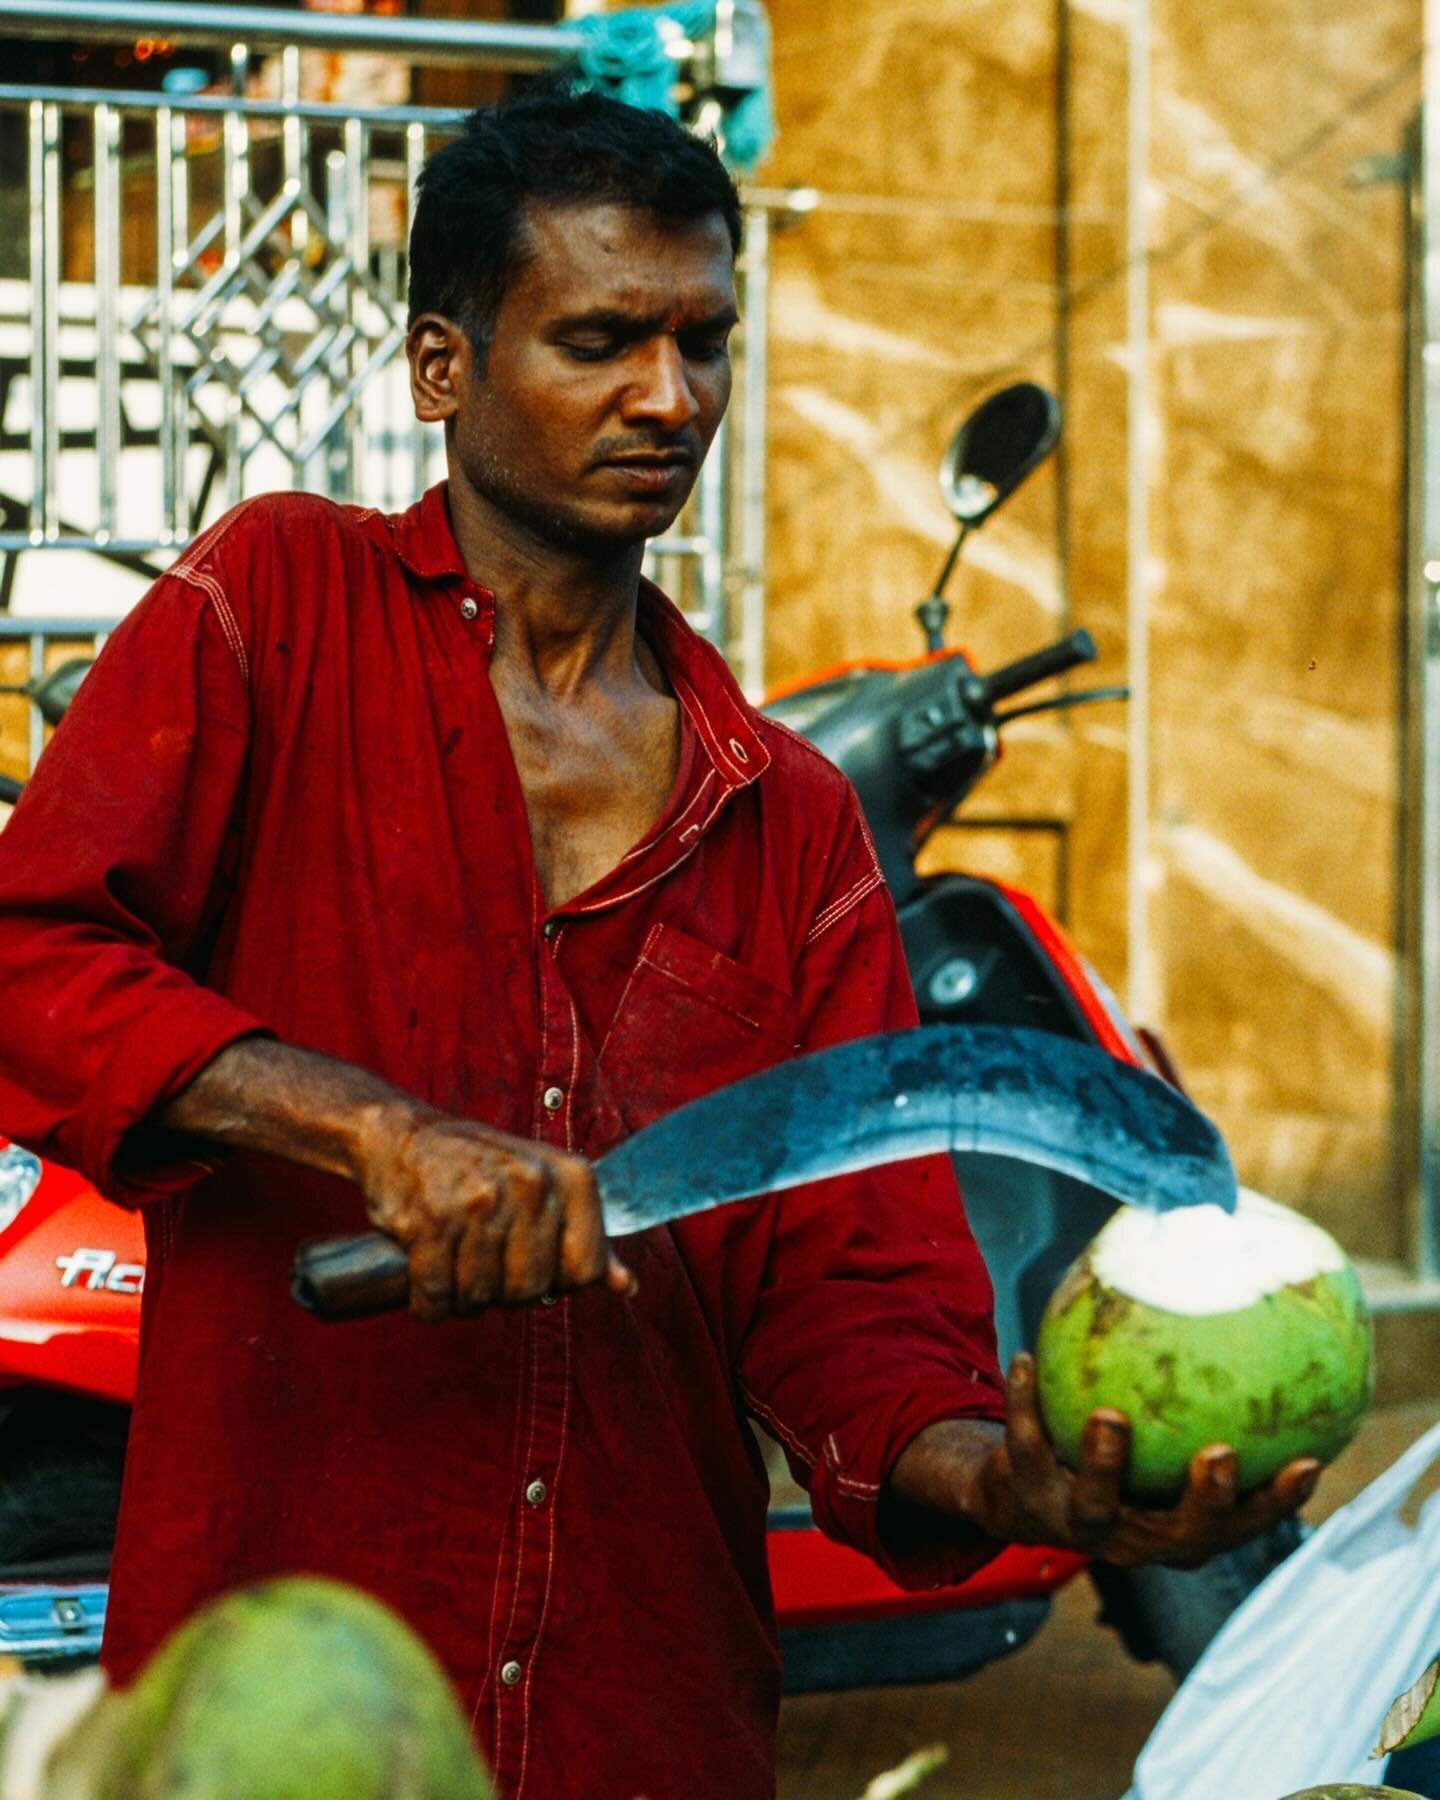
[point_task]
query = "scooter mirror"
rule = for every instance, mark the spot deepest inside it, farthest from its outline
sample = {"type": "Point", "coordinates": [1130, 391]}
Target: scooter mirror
{"type": "Point", "coordinates": [996, 448]}
{"type": "Point", "coordinates": [53, 693]}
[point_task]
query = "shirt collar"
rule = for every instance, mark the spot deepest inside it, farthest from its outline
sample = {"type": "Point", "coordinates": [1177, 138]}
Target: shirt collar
{"type": "Point", "coordinates": [425, 543]}
{"type": "Point", "coordinates": [423, 539]}
{"type": "Point", "coordinates": [725, 721]}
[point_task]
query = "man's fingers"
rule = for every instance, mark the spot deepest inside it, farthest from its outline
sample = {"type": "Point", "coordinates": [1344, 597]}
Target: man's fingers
{"type": "Point", "coordinates": [1095, 1494]}
{"type": "Point", "coordinates": [432, 1277]}
{"type": "Point", "coordinates": [584, 1254]}
{"type": "Point", "coordinates": [1028, 1448]}
{"type": "Point", "coordinates": [620, 1279]}
{"type": "Point", "coordinates": [1292, 1487]}
{"type": "Point", "coordinates": [1203, 1520]}
{"type": "Point", "coordinates": [532, 1245]}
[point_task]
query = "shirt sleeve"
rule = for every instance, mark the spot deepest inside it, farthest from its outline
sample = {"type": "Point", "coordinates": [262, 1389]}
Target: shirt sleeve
{"type": "Point", "coordinates": [874, 1316]}
{"type": "Point", "coordinates": [110, 883]}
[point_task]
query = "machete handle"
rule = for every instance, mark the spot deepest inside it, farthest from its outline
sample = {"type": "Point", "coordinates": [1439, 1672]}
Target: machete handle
{"type": "Point", "coordinates": [350, 1277]}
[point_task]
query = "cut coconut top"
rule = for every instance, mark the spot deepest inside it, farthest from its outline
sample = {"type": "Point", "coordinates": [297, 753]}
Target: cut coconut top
{"type": "Point", "coordinates": [1198, 1259]}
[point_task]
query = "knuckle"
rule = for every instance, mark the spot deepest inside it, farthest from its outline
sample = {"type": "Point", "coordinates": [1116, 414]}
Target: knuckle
{"type": "Point", "coordinates": [528, 1181]}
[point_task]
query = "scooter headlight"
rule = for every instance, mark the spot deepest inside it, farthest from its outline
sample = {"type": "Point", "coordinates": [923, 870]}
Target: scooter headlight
{"type": "Point", "coordinates": [19, 1178]}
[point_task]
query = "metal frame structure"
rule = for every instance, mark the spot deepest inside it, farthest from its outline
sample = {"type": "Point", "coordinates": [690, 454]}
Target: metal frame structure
{"type": "Point", "coordinates": [260, 347]}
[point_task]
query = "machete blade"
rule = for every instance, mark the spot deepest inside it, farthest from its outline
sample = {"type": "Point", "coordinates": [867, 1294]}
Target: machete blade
{"type": "Point", "coordinates": [1024, 1094]}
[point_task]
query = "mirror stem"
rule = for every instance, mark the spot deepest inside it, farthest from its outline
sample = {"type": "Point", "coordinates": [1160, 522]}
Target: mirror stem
{"type": "Point", "coordinates": [932, 613]}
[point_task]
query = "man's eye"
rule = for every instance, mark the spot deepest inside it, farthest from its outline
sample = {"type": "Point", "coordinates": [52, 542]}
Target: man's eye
{"type": "Point", "coordinates": [591, 349]}
{"type": "Point", "coordinates": [710, 349]}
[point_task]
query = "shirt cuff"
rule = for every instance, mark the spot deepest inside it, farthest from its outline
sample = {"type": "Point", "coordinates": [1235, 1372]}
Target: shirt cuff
{"type": "Point", "coordinates": [847, 1482]}
{"type": "Point", "coordinates": [132, 1159]}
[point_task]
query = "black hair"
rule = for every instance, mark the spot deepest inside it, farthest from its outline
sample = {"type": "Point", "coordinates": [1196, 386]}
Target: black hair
{"type": "Point", "coordinates": [553, 146]}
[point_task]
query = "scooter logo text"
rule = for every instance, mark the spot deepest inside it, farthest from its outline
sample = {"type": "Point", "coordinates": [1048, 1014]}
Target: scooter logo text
{"type": "Point", "coordinates": [99, 1270]}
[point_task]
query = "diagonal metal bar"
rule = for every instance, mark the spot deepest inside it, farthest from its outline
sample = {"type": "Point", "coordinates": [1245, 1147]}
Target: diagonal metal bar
{"type": "Point", "coordinates": [388, 346]}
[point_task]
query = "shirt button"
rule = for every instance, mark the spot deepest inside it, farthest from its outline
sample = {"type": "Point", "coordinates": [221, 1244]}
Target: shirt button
{"type": "Point", "coordinates": [548, 1299]}
{"type": "Point", "coordinates": [510, 1672]}
{"type": "Point", "coordinates": [553, 1099]}
{"type": "Point", "coordinates": [469, 609]}
{"type": "Point", "coordinates": [535, 1492]}
{"type": "Point", "coordinates": [549, 928]}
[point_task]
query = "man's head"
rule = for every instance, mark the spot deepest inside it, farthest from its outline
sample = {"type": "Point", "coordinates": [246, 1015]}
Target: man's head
{"type": "Point", "coordinates": [571, 293]}
{"type": "Point", "coordinates": [554, 148]}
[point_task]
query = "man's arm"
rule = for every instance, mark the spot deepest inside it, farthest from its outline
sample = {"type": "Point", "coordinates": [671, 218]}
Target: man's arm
{"type": "Point", "coordinates": [870, 1349]}
{"type": "Point", "coordinates": [486, 1219]}
{"type": "Point", "coordinates": [977, 1481]}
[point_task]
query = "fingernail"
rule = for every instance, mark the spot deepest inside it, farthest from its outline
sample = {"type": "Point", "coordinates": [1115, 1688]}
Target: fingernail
{"type": "Point", "coordinates": [1308, 1484]}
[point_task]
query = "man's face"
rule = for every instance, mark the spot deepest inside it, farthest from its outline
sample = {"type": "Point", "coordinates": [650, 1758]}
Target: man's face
{"type": "Point", "coordinates": [606, 376]}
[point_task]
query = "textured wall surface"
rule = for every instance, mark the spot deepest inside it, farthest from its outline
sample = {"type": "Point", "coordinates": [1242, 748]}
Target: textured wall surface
{"type": "Point", "coordinates": [974, 178]}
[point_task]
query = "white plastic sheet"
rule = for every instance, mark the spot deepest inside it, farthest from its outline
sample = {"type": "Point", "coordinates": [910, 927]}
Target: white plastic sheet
{"type": "Point", "coordinates": [1292, 1691]}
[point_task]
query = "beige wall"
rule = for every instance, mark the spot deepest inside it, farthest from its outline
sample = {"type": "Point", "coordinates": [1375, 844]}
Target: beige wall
{"type": "Point", "coordinates": [941, 139]}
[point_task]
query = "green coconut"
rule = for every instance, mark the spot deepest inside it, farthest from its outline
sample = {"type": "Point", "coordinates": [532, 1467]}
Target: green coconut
{"type": "Point", "coordinates": [1205, 1327]}
{"type": "Point", "coordinates": [297, 1689]}
{"type": "Point", "coordinates": [1414, 1716]}
{"type": "Point", "coordinates": [1350, 1790]}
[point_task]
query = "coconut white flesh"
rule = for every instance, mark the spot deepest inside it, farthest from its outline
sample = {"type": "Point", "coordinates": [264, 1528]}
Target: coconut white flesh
{"type": "Point", "coordinates": [1199, 1260]}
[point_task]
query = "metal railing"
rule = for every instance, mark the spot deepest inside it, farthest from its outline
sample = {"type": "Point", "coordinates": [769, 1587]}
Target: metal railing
{"type": "Point", "coordinates": [213, 302]}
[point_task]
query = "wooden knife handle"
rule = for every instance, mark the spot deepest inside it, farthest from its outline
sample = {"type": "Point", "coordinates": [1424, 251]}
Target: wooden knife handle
{"type": "Point", "coordinates": [350, 1277]}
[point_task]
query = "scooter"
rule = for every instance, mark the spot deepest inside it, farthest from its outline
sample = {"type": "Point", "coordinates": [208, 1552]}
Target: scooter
{"type": "Point", "coordinates": [915, 740]}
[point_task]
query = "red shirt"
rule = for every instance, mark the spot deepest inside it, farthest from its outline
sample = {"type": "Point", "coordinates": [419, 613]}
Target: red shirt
{"type": "Point", "coordinates": [284, 799]}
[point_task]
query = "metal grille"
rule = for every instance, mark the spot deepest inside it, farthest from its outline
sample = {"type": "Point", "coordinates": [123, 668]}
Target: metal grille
{"type": "Point", "coordinates": [214, 305]}
{"type": "Point", "coordinates": [256, 347]}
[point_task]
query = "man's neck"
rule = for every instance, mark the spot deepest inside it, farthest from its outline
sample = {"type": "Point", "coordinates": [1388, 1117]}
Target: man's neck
{"type": "Point", "coordinates": [562, 617]}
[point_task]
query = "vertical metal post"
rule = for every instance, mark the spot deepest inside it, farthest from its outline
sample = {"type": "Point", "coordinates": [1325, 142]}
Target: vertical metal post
{"type": "Point", "coordinates": [414, 158]}
{"type": "Point", "coordinates": [236, 188]}
{"type": "Point", "coordinates": [294, 144]}
{"type": "Point", "coordinates": [171, 403]}
{"type": "Point", "coordinates": [710, 527]}
{"type": "Point", "coordinates": [748, 642]}
{"type": "Point", "coordinates": [350, 439]}
{"type": "Point", "coordinates": [180, 388]}
{"type": "Point", "coordinates": [1141, 972]}
{"type": "Point", "coordinates": [45, 323]}
{"type": "Point", "coordinates": [107, 313]}
{"type": "Point", "coordinates": [37, 718]}
{"type": "Point", "coordinates": [1424, 637]}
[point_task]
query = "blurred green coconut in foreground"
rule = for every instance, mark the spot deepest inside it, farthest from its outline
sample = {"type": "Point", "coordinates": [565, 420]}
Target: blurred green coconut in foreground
{"type": "Point", "coordinates": [297, 1689]}
{"type": "Point", "coordinates": [1349, 1790]}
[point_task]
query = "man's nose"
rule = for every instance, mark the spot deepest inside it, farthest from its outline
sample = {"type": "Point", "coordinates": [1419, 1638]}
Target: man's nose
{"type": "Point", "coordinates": [664, 393]}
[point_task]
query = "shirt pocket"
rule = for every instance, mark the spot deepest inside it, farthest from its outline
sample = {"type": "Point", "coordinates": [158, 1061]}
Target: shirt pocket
{"type": "Point", "coordinates": [690, 1019]}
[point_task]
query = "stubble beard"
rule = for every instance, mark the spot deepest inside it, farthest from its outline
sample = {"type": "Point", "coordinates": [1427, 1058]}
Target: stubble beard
{"type": "Point", "coordinates": [556, 527]}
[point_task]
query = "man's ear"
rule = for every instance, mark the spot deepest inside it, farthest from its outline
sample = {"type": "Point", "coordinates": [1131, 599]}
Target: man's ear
{"type": "Point", "coordinates": [441, 362]}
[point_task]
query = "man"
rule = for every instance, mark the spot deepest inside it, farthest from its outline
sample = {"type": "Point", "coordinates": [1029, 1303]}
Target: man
{"type": "Point", "coordinates": [427, 857]}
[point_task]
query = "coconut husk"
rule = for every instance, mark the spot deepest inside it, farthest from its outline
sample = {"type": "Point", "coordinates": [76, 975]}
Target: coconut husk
{"type": "Point", "coordinates": [1352, 1790]}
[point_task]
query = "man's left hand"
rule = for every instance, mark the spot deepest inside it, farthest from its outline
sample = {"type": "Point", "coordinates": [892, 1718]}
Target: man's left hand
{"type": "Point", "coordinates": [1008, 1485]}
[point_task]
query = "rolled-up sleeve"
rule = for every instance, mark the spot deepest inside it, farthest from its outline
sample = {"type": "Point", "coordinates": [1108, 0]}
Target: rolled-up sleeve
{"type": "Point", "coordinates": [110, 882]}
{"type": "Point", "coordinates": [874, 1318]}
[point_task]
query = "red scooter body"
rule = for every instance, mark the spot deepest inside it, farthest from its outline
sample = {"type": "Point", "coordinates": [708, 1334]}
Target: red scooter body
{"type": "Point", "coordinates": [72, 1267]}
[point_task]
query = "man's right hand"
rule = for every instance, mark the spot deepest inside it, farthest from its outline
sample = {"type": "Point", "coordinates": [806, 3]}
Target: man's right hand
{"type": "Point", "coordinates": [485, 1219]}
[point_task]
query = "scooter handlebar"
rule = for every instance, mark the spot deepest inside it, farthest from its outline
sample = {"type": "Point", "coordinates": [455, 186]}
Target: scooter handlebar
{"type": "Point", "coordinates": [985, 691]}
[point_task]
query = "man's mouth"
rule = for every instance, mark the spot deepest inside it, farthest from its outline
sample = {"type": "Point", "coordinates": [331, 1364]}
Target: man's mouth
{"type": "Point", "coordinates": [651, 474]}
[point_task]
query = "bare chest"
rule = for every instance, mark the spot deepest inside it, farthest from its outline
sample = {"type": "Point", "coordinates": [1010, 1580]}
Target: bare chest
{"type": "Point", "coordinates": [594, 784]}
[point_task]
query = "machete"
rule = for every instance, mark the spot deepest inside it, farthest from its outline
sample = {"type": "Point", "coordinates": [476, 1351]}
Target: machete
{"type": "Point", "coordinates": [1025, 1094]}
